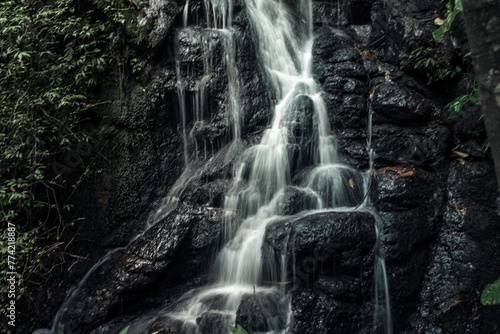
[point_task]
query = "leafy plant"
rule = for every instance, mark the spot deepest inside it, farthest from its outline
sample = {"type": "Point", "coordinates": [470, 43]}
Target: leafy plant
{"type": "Point", "coordinates": [125, 330]}
{"type": "Point", "coordinates": [237, 329]}
{"type": "Point", "coordinates": [50, 57]}
{"type": "Point", "coordinates": [431, 62]}
{"type": "Point", "coordinates": [453, 7]}
{"type": "Point", "coordinates": [491, 295]}
{"type": "Point", "coordinates": [456, 106]}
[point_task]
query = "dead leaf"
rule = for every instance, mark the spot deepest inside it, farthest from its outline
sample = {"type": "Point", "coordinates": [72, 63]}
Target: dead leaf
{"type": "Point", "coordinates": [438, 21]}
{"type": "Point", "coordinates": [370, 96]}
{"type": "Point", "coordinates": [462, 161]}
{"type": "Point", "coordinates": [370, 54]}
{"type": "Point", "coordinates": [459, 209]}
{"type": "Point", "coordinates": [447, 305]}
{"type": "Point", "coordinates": [460, 154]}
{"type": "Point", "coordinates": [387, 76]}
{"type": "Point", "coordinates": [402, 171]}
{"type": "Point", "coordinates": [351, 183]}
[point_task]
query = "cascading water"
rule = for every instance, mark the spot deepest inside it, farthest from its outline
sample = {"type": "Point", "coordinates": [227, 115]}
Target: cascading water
{"type": "Point", "coordinates": [265, 171]}
{"type": "Point", "coordinates": [264, 174]}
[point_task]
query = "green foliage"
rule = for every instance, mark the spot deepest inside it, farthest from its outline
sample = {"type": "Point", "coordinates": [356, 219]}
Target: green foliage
{"type": "Point", "coordinates": [456, 106]}
{"type": "Point", "coordinates": [50, 57]}
{"type": "Point", "coordinates": [237, 329]}
{"type": "Point", "coordinates": [431, 61]}
{"type": "Point", "coordinates": [491, 295]}
{"type": "Point", "coordinates": [453, 7]}
{"type": "Point", "coordinates": [125, 330]}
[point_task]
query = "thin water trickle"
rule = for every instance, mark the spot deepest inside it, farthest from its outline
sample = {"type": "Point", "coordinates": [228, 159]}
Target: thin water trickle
{"type": "Point", "coordinates": [382, 315]}
{"type": "Point", "coordinates": [185, 13]}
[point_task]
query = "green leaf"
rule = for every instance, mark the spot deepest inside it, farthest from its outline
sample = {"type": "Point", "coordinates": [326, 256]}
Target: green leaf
{"type": "Point", "coordinates": [236, 330]}
{"type": "Point", "coordinates": [491, 295]}
{"type": "Point", "coordinates": [439, 32]}
{"type": "Point", "coordinates": [474, 98]}
{"type": "Point", "coordinates": [455, 106]}
{"type": "Point", "coordinates": [125, 330]}
{"type": "Point", "coordinates": [448, 21]}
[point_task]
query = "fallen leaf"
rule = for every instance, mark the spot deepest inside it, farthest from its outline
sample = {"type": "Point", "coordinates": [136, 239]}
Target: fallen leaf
{"type": "Point", "coordinates": [459, 209]}
{"type": "Point", "coordinates": [438, 21]}
{"type": "Point", "coordinates": [387, 76]}
{"type": "Point", "coordinates": [351, 183]}
{"type": "Point", "coordinates": [402, 171]}
{"type": "Point", "coordinates": [460, 154]}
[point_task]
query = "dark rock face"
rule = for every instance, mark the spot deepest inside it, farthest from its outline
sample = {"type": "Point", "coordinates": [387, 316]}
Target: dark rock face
{"type": "Point", "coordinates": [213, 323]}
{"type": "Point", "coordinates": [320, 244]}
{"type": "Point", "coordinates": [155, 256]}
{"type": "Point", "coordinates": [169, 325]}
{"type": "Point", "coordinates": [329, 268]}
{"type": "Point", "coordinates": [262, 312]}
{"type": "Point", "coordinates": [437, 209]}
{"type": "Point", "coordinates": [449, 298]}
{"type": "Point", "coordinates": [315, 311]}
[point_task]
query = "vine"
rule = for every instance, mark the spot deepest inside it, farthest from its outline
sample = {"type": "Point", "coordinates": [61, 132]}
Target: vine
{"type": "Point", "coordinates": [51, 54]}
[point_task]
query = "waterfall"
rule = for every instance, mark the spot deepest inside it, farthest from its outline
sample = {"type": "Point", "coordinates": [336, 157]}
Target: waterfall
{"type": "Point", "coordinates": [265, 171]}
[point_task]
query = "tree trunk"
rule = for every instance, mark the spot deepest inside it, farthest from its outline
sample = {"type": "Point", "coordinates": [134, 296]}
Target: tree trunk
{"type": "Point", "coordinates": [482, 22]}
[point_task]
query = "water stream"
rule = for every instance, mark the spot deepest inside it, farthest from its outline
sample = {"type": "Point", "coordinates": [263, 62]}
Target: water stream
{"type": "Point", "coordinates": [264, 172]}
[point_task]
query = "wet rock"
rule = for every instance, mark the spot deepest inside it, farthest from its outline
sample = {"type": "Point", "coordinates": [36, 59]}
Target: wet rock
{"type": "Point", "coordinates": [340, 84]}
{"type": "Point", "coordinates": [337, 185]}
{"type": "Point", "coordinates": [300, 118]}
{"type": "Point", "coordinates": [412, 7]}
{"type": "Point", "coordinates": [316, 312]}
{"type": "Point", "coordinates": [329, 13]}
{"type": "Point", "coordinates": [466, 245]}
{"type": "Point", "coordinates": [213, 323]}
{"type": "Point", "coordinates": [399, 188]}
{"type": "Point", "coordinates": [262, 312]}
{"type": "Point", "coordinates": [348, 289]}
{"type": "Point", "coordinates": [335, 55]}
{"type": "Point", "coordinates": [168, 325]}
{"type": "Point", "coordinates": [301, 134]}
{"type": "Point", "coordinates": [359, 11]}
{"type": "Point", "coordinates": [416, 146]}
{"type": "Point", "coordinates": [401, 105]}
{"type": "Point", "coordinates": [347, 69]}
{"type": "Point", "coordinates": [174, 250]}
{"type": "Point", "coordinates": [469, 134]}
{"type": "Point", "coordinates": [322, 244]}
{"type": "Point", "coordinates": [472, 198]}
{"type": "Point", "coordinates": [404, 231]}
{"type": "Point", "coordinates": [296, 200]}
{"type": "Point", "coordinates": [352, 146]}
{"type": "Point", "coordinates": [161, 16]}
{"type": "Point", "coordinates": [256, 94]}
{"type": "Point", "coordinates": [197, 46]}
{"type": "Point", "coordinates": [364, 34]}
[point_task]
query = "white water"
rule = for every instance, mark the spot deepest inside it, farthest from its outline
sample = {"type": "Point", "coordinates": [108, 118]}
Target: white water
{"type": "Point", "coordinates": [263, 175]}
